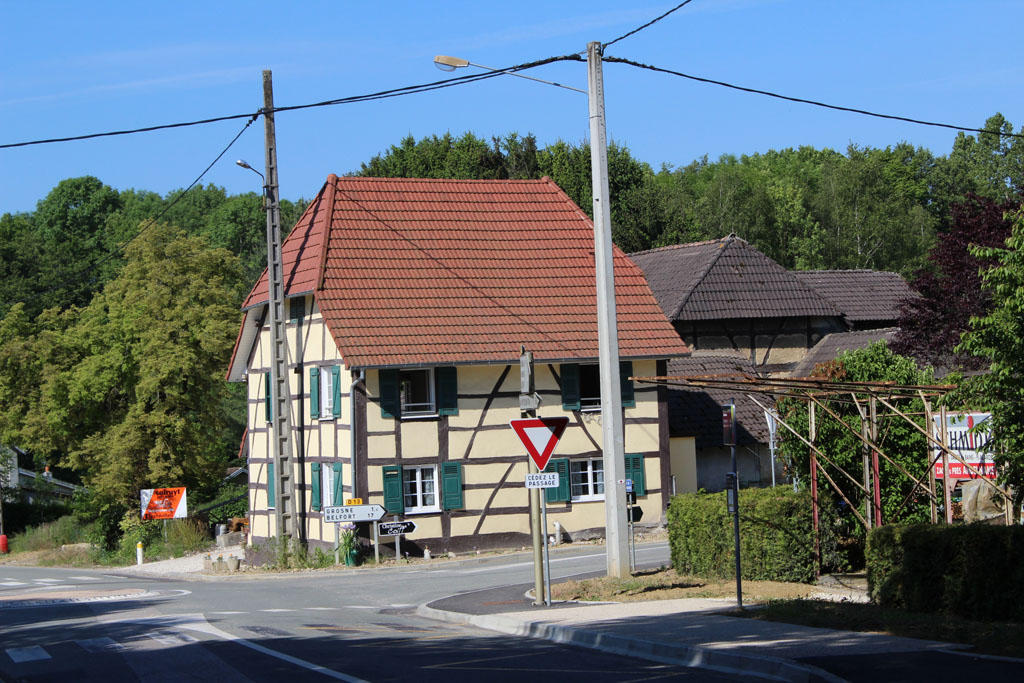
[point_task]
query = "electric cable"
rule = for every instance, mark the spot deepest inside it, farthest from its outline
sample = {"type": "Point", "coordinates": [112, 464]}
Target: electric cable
{"type": "Point", "coordinates": [383, 94]}
{"type": "Point", "coordinates": [649, 23]}
{"type": "Point", "coordinates": [153, 221]}
{"type": "Point", "coordinates": [801, 100]}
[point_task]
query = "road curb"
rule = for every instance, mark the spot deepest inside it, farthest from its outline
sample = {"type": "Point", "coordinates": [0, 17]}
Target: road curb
{"type": "Point", "coordinates": [693, 656]}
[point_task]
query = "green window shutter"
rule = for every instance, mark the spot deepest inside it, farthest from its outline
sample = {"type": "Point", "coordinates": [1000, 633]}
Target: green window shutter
{"type": "Point", "coordinates": [559, 494]}
{"type": "Point", "coordinates": [296, 308]}
{"type": "Point", "coordinates": [268, 406]}
{"type": "Point", "coordinates": [451, 486]}
{"type": "Point", "coordinates": [447, 391]}
{"type": "Point", "coordinates": [570, 387]}
{"type": "Point", "coordinates": [271, 486]}
{"type": "Point", "coordinates": [625, 371]}
{"type": "Point", "coordinates": [338, 496]}
{"type": "Point", "coordinates": [314, 393]}
{"type": "Point", "coordinates": [316, 484]}
{"type": "Point", "coordinates": [389, 405]}
{"type": "Point", "coordinates": [394, 502]}
{"type": "Point", "coordinates": [336, 390]}
{"type": "Point", "coordinates": [635, 471]}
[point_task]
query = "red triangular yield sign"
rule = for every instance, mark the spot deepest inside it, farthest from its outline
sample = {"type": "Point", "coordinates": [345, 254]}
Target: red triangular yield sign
{"type": "Point", "coordinates": [539, 435]}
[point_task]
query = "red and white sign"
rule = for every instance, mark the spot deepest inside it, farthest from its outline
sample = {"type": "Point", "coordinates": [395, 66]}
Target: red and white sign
{"type": "Point", "coordinates": [539, 435]}
{"type": "Point", "coordinates": [169, 503]}
{"type": "Point", "coordinates": [969, 438]}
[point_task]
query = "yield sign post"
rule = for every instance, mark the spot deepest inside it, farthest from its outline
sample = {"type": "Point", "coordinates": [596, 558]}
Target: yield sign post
{"type": "Point", "coordinates": [539, 435]}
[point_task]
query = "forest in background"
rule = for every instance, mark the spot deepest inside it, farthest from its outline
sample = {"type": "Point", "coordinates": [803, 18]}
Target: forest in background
{"type": "Point", "coordinates": [118, 309]}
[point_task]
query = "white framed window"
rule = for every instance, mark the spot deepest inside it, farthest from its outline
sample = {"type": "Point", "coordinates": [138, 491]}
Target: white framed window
{"type": "Point", "coordinates": [590, 387]}
{"type": "Point", "coordinates": [326, 485]}
{"type": "Point", "coordinates": [420, 489]}
{"type": "Point", "coordinates": [326, 394]}
{"type": "Point", "coordinates": [586, 479]}
{"type": "Point", "coordinates": [416, 392]}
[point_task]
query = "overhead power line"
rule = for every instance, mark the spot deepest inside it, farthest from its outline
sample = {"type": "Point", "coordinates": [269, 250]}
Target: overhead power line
{"type": "Point", "coordinates": [816, 103]}
{"type": "Point", "coordinates": [383, 94]}
{"type": "Point", "coordinates": [649, 23]}
{"type": "Point", "coordinates": [92, 267]}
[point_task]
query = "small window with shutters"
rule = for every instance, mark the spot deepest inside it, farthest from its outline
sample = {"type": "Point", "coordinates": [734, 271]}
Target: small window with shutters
{"type": "Point", "coordinates": [416, 393]}
{"type": "Point", "coordinates": [451, 485]}
{"type": "Point", "coordinates": [581, 386]}
{"type": "Point", "coordinates": [268, 391]}
{"type": "Point", "coordinates": [325, 392]}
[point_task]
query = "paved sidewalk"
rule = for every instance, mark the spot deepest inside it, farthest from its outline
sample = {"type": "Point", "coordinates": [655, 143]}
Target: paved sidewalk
{"type": "Point", "coordinates": [694, 633]}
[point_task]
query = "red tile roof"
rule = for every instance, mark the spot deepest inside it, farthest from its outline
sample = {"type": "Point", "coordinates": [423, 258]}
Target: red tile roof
{"type": "Point", "coordinates": [426, 272]}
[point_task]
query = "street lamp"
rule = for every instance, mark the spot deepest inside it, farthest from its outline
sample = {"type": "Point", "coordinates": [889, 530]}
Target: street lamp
{"type": "Point", "coordinates": [447, 63]}
{"type": "Point", "coordinates": [245, 164]}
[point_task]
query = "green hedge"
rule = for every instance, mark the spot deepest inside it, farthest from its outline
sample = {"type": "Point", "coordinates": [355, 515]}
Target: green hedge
{"type": "Point", "coordinates": [974, 571]}
{"type": "Point", "coordinates": [776, 535]}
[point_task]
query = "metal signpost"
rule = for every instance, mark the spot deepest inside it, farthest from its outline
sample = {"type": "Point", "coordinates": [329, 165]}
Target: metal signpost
{"type": "Point", "coordinates": [732, 487]}
{"type": "Point", "coordinates": [539, 435]}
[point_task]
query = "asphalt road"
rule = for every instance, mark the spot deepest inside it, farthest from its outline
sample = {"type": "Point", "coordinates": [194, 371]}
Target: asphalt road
{"type": "Point", "coordinates": [347, 625]}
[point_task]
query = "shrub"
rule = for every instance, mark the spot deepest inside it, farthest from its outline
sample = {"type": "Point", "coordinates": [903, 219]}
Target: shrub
{"type": "Point", "coordinates": [63, 531]}
{"type": "Point", "coordinates": [974, 571]}
{"type": "Point", "coordinates": [776, 535]}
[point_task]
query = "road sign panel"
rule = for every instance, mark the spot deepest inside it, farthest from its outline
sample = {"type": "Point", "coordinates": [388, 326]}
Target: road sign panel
{"type": "Point", "coordinates": [396, 528]}
{"type": "Point", "coordinates": [167, 503]}
{"type": "Point", "coordinates": [542, 480]}
{"type": "Point", "coordinates": [353, 513]}
{"type": "Point", "coordinates": [539, 435]}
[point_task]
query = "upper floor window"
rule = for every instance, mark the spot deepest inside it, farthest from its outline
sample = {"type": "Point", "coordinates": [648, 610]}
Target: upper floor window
{"type": "Point", "coordinates": [325, 392]}
{"type": "Point", "coordinates": [418, 392]}
{"type": "Point", "coordinates": [581, 386]}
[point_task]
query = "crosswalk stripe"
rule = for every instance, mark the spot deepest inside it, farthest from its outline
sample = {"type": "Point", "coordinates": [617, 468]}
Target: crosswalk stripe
{"type": "Point", "coordinates": [12, 583]}
{"type": "Point", "coordinates": [47, 580]}
{"type": "Point", "coordinates": [86, 578]}
{"type": "Point", "coordinates": [27, 654]}
{"type": "Point", "coordinates": [277, 609]}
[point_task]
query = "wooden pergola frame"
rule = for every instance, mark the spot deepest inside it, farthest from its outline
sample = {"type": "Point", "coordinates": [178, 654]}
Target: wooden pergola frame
{"type": "Point", "coordinates": [866, 397]}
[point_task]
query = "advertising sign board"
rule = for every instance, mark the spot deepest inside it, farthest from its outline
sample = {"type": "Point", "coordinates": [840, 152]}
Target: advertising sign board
{"type": "Point", "coordinates": [170, 503]}
{"type": "Point", "coordinates": [969, 438]}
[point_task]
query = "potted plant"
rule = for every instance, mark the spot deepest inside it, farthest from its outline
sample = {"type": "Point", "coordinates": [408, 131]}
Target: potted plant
{"type": "Point", "coordinates": [347, 544]}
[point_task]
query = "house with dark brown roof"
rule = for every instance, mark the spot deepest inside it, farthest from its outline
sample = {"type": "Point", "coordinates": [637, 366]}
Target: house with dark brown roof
{"type": "Point", "coordinates": [868, 299]}
{"type": "Point", "coordinates": [742, 313]}
{"type": "Point", "coordinates": [410, 301]}
{"type": "Point", "coordinates": [725, 296]}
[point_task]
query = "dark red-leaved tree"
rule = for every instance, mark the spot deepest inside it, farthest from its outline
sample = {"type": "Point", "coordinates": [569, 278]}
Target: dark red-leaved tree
{"type": "Point", "coordinates": [950, 286]}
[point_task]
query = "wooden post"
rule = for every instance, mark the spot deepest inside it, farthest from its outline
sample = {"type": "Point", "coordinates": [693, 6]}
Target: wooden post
{"type": "Point", "coordinates": [876, 483]}
{"type": "Point", "coordinates": [947, 490]}
{"type": "Point", "coordinates": [932, 509]}
{"type": "Point", "coordinates": [812, 433]}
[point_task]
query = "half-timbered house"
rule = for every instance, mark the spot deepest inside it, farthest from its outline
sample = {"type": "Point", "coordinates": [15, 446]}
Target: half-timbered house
{"type": "Point", "coordinates": [409, 304]}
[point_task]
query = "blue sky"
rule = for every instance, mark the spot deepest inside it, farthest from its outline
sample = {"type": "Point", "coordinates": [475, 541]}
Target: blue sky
{"type": "Point", "coordinates": [69, 68]}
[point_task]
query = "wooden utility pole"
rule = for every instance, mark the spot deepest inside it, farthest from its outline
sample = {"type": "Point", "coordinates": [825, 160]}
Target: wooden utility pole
{"type": "Point", "coordinates": [613, 438]}
{"type": "Point", "coordinates": [286, 517]}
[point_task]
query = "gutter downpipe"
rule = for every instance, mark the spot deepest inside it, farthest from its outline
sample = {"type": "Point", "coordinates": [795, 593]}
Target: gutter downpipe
{"type": "Point", "coordinates": [352, 429]}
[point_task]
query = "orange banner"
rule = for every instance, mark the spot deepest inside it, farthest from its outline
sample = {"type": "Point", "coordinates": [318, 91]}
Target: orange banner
{"type": "Point", "coordinates": [168, 503]}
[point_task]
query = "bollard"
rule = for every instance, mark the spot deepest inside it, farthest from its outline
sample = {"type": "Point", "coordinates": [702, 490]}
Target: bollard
{"type": "Point", "coordinates": [3, 544]}
{"type": "Point", "coordinates": [138, 553]}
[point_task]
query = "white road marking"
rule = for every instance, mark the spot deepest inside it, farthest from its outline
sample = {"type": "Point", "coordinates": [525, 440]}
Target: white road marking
{"type": "Point", "coordinates": [228, 612]}
{"type": "Point", "coordinates": [197, 622]}
{"type": "Point", "coordinates": [47, 580]}
{"type": "Point", "coordinates": [277, 609]}
{"type": "Point", "coordinates": [12, 583]}
{"type": "Point", "coordinates": [27, 654]}
{"type": "Point", "coordinates": [86, 578]}
{"type": "Point", "coordinates": [323, 608]}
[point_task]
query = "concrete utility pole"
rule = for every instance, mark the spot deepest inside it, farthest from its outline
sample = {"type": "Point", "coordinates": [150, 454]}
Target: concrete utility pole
{"type": "Point", "coordinates": [286, 517]}
{"type": "Point", "coordinates": [616, 533]}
